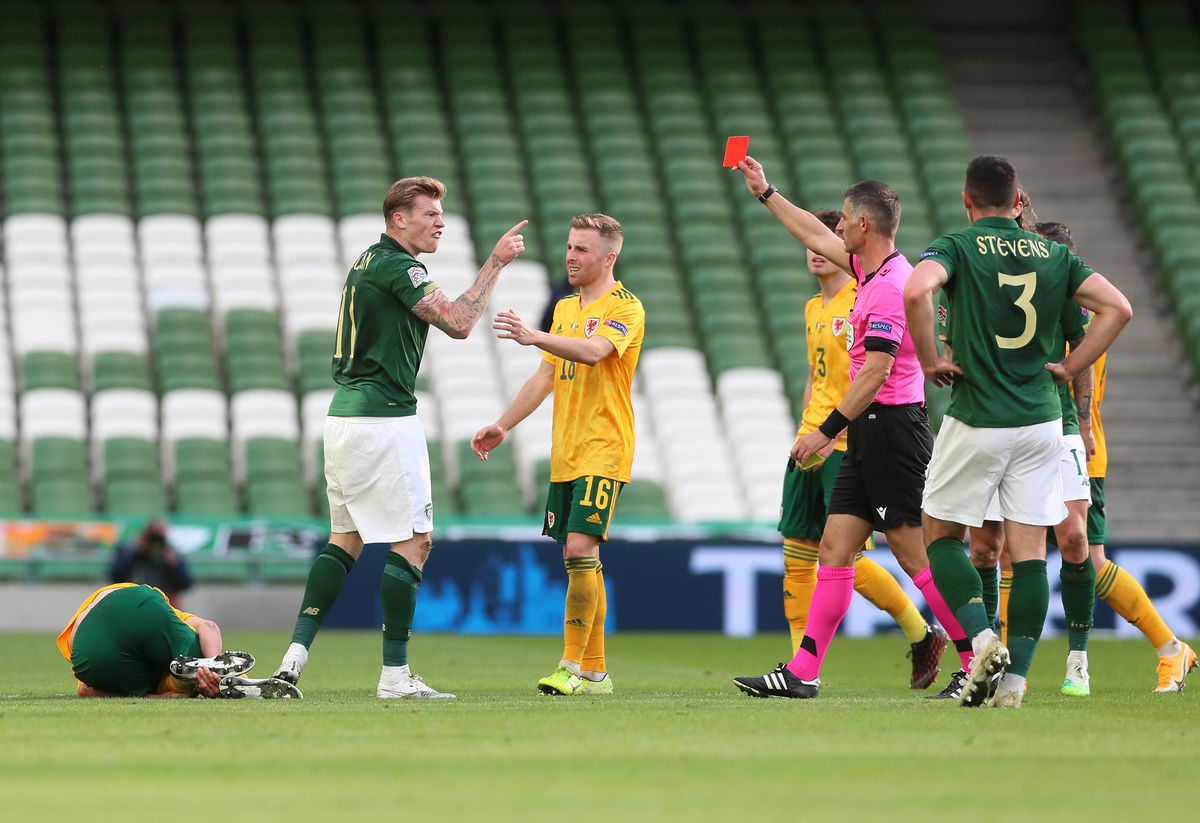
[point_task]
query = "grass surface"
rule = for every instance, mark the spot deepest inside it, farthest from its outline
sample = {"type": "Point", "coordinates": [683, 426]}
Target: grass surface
{"type": "Point", "coordinates": [677, 741]}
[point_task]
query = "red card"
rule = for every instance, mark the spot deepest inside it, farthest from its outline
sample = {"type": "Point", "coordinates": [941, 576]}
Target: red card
{"type": "Point", "coordinates": [735, 151]}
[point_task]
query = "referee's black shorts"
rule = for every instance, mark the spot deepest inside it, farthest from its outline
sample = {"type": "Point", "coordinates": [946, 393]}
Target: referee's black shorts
{"type": "Point", "coordinates": [883, 475]}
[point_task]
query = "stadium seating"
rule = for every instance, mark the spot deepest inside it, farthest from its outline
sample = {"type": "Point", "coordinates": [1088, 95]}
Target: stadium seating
{"type": "Point", "coordinates": [178, 223]}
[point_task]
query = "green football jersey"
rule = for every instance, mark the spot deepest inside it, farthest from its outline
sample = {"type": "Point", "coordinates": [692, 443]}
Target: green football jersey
{"type": "Point", "coordinates": [1006, 292]}
{"type": "Point", "coordinates": [1071, 328]}
{"type": "Point", "coordinates": [379, 340]}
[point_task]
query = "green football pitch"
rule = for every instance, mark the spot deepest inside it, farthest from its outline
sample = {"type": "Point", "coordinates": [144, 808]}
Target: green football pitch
{"type": "Point", "coordinates": [676, 742]}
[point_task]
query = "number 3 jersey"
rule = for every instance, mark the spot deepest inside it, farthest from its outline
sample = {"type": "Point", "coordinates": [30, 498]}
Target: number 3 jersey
{"type": "Point", "coordinates": [827, 329]}
{"type": "Point", "coordinates": [379, 342]}
{"type": "Point", "coordinates": [593, 407]}
{"type": "Point", "coordinates": [1006, 288]}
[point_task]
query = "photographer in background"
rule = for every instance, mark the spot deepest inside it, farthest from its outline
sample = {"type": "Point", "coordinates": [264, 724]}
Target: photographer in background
{"type": "Point", "coordinates": [152, 561]}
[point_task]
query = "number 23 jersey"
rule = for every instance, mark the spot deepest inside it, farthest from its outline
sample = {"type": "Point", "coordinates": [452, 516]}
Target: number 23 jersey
{"type": "Point", "coordinates": [593, 406]}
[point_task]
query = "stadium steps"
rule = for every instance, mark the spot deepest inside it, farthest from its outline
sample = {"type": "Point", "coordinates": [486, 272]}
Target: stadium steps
{"type": "Point", "coordinates": [1024, 101]}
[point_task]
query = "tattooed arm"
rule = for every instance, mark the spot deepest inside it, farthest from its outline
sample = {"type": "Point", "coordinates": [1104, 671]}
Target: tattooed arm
{"type": "Point", "coordinates": [457, 317]}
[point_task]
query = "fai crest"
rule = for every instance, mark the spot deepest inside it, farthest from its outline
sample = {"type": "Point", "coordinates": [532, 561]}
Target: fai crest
{"type": "Point", "coordinates": [838, 326]}
{"type": "Point", "coordinates": [589, 328]}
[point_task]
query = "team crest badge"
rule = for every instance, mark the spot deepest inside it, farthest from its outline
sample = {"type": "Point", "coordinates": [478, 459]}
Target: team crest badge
{"type": "Point", "coordinates": [838, 326]}
{"type": "Point", "coordinates": [550, 519]}
{"type": "Point", "coordinates": [589, 328]}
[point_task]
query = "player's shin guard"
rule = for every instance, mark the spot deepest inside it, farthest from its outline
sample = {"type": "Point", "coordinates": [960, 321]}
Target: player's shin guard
{"type": "Point", "coordinates": [593, 654]}
{"type": "Point", "coordinates": [874, 583]}
{"type": "Point", "coordinates": [991, 591]}
{"type": "Point", "coordinates": [1027, 613]}
{"type": "Point", "coordinates": [1079, 602]}
{"type": "Point", "coordinates": [1119, 590]}
{"type": "Point", "coordinates": [959, 584]}
{"type": "Point", "coordinates": [398, 592]}
{"type": "Point", "coordinates": [937, 604]}
{"type": "Point", "coordinates": [799, 580]}
{"type": "Point", "coordinates": [583, 593]}
{"type": "Point", "coordinates": [324, 584]}
{"type": "Point", "coordinates": [830, 602]}
{"type": "Point", "coordinates": [1002, 610]}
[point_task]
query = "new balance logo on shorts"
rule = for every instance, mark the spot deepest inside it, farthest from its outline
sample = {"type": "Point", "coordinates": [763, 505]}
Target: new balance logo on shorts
{"type": "Point", "coordinates": [312, 611]}
{"type": "Point", "coordinates": [594, 518]}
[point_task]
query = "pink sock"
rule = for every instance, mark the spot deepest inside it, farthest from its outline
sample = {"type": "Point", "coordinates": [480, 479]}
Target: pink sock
{"type": "Point", "coordinates": [924, 581]}
{"type": "Point", "coordinates": [830, 602]}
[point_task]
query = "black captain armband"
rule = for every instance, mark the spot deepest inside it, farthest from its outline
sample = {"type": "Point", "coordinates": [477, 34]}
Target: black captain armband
{"type": "Point", "coordinates": [766, 195]}
{"type": "Point", "coordinates": [881, 344]}
{"type": "Point", "coordinates": [834, 423]}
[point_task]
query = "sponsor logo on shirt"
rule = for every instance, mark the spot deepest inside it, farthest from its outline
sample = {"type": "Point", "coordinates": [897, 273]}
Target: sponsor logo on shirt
{"type": "Point", "coordinates": [621, 327]}
{"type": "Point", "coordinates": [418, 276]}
{"type": "Point", "coordinates": [589, 328]}
{"type": "Point", "coordinates": [838, 326]}
{"type": "Point", "coordinates": [880, 326]}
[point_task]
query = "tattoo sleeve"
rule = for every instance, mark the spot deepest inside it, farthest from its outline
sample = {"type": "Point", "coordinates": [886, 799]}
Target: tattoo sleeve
{"type": "Point", "coordinates": [457, 317]}
{"type": "Point", "coordinates": [1083, 394]}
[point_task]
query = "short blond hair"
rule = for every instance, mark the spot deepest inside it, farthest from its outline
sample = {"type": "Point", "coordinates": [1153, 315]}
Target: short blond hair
{"type": "Point", "coordinates": [609, 228]}
{"type": "Point", "coordinates": [403, 193]}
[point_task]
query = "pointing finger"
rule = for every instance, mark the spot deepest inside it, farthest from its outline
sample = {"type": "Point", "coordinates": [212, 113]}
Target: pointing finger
{"type": "Point", "coordinates": [517, 228]}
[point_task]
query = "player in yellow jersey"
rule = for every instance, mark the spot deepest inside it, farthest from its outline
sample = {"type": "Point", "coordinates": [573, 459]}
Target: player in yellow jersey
{"type": "Point", "coordinates": [588, 361]}
{"type": "Point", "coordinates": [127, 640]}
{"type": "Point", "coordinates": [1114, 585]}
{"type": "Point", "coordinates": [806, 493]}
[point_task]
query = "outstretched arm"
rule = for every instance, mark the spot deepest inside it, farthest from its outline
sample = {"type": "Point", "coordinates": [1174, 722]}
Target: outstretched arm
{"type": "Point", "coordinates": [589, 351]}
{"type": "Point", "coordinates": [803, 225]}
{"type": "Point", "coordinates": [536, 389]}
{"type": "Point", "coordinates": [457, 317]}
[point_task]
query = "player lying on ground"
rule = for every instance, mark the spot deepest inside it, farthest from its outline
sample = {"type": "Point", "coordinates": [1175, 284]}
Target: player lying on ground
{"type": "Point", "coordinates": [878, 486]}
{"type": "Point", "coordinates": [126, 640]}
{"type": "Point", "coordinates": [588, 361]}
{"type": "Point", "coordinates": [1003, 429]}
{"type": "Point", "coordinates": [806, 494]}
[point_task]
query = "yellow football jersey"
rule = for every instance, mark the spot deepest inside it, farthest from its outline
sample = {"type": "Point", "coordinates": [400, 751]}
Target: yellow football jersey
{"type": "Point", "coordinates": [64, 638]}
{"type": "Point", "coordinates": [593, 409]}
{"type": "Point", "coordinates": [827, 326]}
{"type": "Point", "coordinates": [1098, 464]}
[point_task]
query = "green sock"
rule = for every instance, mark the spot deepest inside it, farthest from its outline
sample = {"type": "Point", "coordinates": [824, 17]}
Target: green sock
{"type": "Point", "coordinates": [1079, 602]}
{"type": "Point", "coordinates": [1027, 607]}
{"type": "Point", "coordinates": [958, 583]}
{"type": "Point", "coordinates": [325, 580]}
{"type": "Point", "coordinates": [991, 591]}
{"type": "Point", "coordinates": [398, 591]}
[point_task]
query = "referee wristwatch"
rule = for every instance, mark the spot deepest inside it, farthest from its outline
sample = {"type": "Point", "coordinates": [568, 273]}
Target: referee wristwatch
{"type": "Point", "coordinates": [766, 195]}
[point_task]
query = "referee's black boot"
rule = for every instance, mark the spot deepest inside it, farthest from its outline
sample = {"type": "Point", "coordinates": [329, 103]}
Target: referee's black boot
{"type": "Point", "coordinates": [779, 682]}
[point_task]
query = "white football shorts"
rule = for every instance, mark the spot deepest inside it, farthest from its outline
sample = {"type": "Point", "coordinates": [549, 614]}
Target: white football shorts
{"type": "Point", "coordinates": [1019, 466]}
{"type": "Point", "coordinates": [377, 474]}
{"type": "Point", "coordinates": [1072, 467]}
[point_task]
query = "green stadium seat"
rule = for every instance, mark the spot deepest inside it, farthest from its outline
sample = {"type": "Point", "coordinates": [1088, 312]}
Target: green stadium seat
{"type": "Point", "coordinates": [278, 497]}
{"type": "Point", "coordinates": [49, 369]}
{"type": "Point", "coordinates": [134, 498]}
{"type": "Point", "coordinates": [120, 370]}
{"type": "Point", "coordinates": [131, 458]}
{"type": "Point", "coordinates": [61, 497]}
{"type": "Point", "coordinates": [204, 497]}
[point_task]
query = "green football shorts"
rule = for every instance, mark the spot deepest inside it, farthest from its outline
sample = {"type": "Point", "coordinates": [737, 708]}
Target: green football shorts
{"type": "Point", "coordinates": [583, 505]}
{"type": "Point", "coordinates": [806, 499]}
{"type": "Point", "coordinates": [126, 643]}
{"type": "Point", "coordinates": [1097, 527]}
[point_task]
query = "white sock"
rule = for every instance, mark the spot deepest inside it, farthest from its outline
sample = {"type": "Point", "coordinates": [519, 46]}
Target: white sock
{"type": "Point", "coordinates": [395, 672]}
{"type": "Point", "coordinates": [595, 677]}
{"type": "Point", "coordinates": [1079, 659]}
{"type": "Point", "coordinates": [1011, 683]}
{"type": "Point", "coordinates": [296, 651]}
{"type": "Point", "coordinates": [1171, 648]}
{"type": "Point", "coordinates": [570, 665]}
{"type": "Point", "coordinates": [980, 641]}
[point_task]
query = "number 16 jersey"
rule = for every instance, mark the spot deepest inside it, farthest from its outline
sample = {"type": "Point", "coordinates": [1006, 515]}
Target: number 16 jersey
{"type": "Point", "coordinates": [1006, 288]}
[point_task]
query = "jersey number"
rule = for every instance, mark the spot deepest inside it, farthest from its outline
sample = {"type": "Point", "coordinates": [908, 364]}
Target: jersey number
{"type": "Point", "coordinates": [337, 350]}
{"type": "Point", "coordinates": [567, 372]}
{"type": "Point", "coordinates": [821, 360]}
{"type": "Point", "coordinates": [1024, 302]}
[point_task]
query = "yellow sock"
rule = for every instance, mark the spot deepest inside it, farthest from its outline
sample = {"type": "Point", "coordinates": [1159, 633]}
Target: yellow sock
{"type": "Point", "coordinates": [582, 596]}
{"type": "Point", "coordinates": [873, 582]}
{"type": "Point", "coordinates": [1002, 614]}
{"type": "Point", "coordinates": [1118, 589]}
{"type": "Point", "coordinates": [799, 580]}
{"type": "Point", "coordinates": [593, 654]}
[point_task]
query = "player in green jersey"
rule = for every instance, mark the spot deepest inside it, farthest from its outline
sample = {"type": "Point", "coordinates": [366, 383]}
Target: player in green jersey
{"type": "Point", "coordinates": [376, 458]}
{"type": "Point", "coordinates": [1003, 432]}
